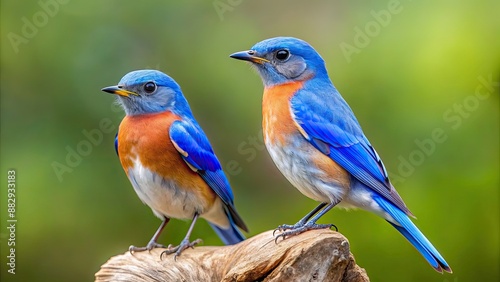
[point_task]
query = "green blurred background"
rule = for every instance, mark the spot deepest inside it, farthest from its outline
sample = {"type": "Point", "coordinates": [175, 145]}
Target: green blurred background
{"type": "Point", "coordinates": [407, 69]}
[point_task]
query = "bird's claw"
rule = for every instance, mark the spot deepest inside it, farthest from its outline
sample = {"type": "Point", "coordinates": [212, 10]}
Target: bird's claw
{"type": "Point", "coordinates": [179, 249]}
{"type": "Point", "coordinates": [297, 229]}
{"type": "Point", "coordinates": [151, 245]}
{"type": "Point", "coordinates": [285, 227]}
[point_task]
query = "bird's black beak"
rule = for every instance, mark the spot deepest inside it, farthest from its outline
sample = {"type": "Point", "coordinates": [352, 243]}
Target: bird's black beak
{"type": "Point", "coordinates": [249, 56]}
{"type": "Point", "coordinates": [118, 90]}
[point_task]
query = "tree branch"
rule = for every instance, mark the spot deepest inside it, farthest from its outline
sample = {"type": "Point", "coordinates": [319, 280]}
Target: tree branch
{"type": "Point", "coordinates": [316, 255]}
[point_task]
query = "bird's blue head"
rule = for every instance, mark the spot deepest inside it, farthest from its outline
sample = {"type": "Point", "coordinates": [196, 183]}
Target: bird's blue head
{"type": "Point", "coordinates": [148, 91]}
{"type": "Point", "coordinates": [284, 59]}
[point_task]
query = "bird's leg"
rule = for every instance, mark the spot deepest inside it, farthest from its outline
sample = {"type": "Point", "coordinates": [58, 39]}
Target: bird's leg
{"type": "Point", "coordinates": [185, 242]}
{"type": "Point", "coordinates": [152, 243]}
{"type": "Point", "coordinates": [301, 222]}
{"type": "Point", "coordinates": [309, 225]}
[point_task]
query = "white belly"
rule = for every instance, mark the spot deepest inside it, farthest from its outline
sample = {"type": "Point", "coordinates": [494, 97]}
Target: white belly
{"type": "Point", "coordinates": [164, 196]}
{"type": "Point", "coordinates": [295, 163]}
{"type": "Point", "coordinates": [167, 199]}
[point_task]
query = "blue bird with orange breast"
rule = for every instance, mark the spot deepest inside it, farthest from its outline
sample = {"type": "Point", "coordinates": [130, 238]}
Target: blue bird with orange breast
{"type": "Point", "coordinates": [315, 140]}
{"type": "Point", "coordinates": [169, 160]}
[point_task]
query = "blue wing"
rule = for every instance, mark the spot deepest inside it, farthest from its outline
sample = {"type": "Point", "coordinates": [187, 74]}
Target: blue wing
{"type": "Point", "coordinates": [194, 147]}
{"type": "Point", "coordinates": [328, 123]}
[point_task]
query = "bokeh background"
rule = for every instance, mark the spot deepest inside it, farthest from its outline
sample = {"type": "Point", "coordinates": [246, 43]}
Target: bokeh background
{"type": "Point", "coordinates": [407, 68]}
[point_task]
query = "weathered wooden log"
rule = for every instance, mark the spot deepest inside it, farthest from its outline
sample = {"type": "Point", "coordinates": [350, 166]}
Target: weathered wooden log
{"type": "Point", "coordinates": [316, 255]}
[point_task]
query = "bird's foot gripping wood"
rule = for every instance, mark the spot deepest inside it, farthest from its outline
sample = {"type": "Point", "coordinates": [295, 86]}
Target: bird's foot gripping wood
{"type": "Point", "coordinates": [292, 230]}
{"type": "Point", "coordinates": [179, 249]}
{"type": "Point", "coordinates": [151, 245]}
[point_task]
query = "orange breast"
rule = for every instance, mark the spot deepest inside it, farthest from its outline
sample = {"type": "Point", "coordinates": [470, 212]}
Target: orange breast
{"type": "Point", "coordinates": [147, 138]}
{"type": "Point", "coordinates": [277, 121]}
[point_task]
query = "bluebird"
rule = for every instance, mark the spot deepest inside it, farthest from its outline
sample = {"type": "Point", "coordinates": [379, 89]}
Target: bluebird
{"type": "Point", "coordinates": [317, 143]}
{"type": "Point", "coordinates": [169, 160]}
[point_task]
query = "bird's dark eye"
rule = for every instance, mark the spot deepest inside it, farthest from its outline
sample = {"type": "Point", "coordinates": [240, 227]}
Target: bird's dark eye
{"type": "Point", "coordinates": [150, 87]}
{"type": "Point", "coordinates": [282, 55]}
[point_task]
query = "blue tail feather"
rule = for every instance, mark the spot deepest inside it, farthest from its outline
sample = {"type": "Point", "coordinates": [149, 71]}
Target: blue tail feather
{"type": "Point", "coordinates": [408, 229]}
{"type": "Point", "coordinates": [230, 235]}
